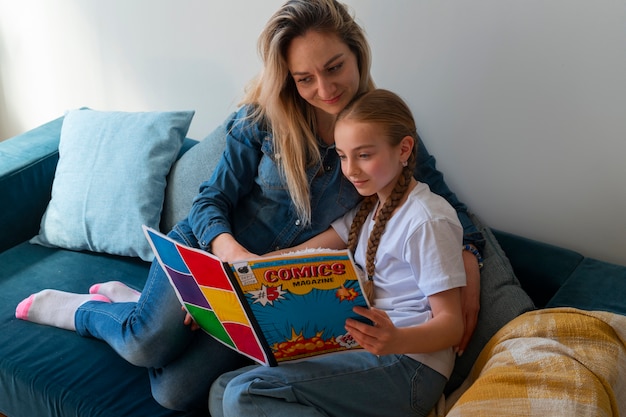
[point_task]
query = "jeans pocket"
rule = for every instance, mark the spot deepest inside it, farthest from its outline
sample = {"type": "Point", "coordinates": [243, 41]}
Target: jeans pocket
{"type": "Point", "coordinates": [426, 389]}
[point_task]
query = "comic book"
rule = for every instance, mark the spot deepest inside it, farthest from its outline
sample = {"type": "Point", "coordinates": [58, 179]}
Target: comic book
{"type": "Point", "coordinates": [270, 309]}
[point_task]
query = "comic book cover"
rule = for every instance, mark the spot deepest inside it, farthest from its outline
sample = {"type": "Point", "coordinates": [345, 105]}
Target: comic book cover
{"type": "Point", "coordinates": [271, 309]}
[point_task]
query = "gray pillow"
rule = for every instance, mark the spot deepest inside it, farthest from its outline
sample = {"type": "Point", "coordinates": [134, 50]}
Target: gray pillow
{"type": "Point", "coordinates": [501, 300]}
{"type": "Point", "coordinates": [192, 169]}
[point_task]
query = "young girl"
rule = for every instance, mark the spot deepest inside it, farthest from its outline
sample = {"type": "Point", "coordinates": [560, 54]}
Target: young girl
{"type": "Point", "coordinates": [408, 239]}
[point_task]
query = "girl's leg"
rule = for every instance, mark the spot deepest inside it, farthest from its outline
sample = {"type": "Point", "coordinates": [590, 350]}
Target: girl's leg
{"type": "Point", "coordinates": [356, 383]}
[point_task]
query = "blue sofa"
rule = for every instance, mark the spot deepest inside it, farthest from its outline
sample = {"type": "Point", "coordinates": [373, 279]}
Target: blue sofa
{"type": "Point", "coordinates": [45, 371]}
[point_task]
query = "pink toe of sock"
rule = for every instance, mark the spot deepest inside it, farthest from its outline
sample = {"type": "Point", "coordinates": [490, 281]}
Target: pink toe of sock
{"type": "Point", "coordinates": [94, 289]}
{"type": "Point", "coordinates": [21, 311]}
{"type": "Point", "coordinates": [100, 297]}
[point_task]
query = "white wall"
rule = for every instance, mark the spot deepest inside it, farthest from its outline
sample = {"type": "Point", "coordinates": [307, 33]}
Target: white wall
{"type": "Point", "coordinates": [522, 102]}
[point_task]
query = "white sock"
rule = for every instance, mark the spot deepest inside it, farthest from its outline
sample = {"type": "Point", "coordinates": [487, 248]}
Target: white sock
{"type": "Point", "coordinates": [54, 308]}
{"type": "Point", "coordinates": [116, 291]}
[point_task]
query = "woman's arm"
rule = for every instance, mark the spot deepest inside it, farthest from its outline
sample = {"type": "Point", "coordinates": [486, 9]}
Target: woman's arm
{"type": "Point", "coordinates": [232, 179]}
{"type": "Point", "coordinates": [328, 239]}
{"type": "Point", "coordinates": [426, 171]}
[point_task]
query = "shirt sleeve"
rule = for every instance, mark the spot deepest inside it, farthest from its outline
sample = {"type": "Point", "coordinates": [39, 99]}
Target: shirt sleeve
{"type": "Point", "coordinates": [232, 179]}
{"type": "Point", "coordinates": [433, 251]}
{"type": "Point", "coordinates": [342, 224]}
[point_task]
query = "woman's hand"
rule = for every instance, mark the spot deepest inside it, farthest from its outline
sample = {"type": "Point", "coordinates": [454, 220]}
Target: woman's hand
{"type": "Point", "coordinates": [380, 339]}
{"type": "Point", "coordinates": [470, 299]}
{"type": "Point", "coordinates": [225, 247]}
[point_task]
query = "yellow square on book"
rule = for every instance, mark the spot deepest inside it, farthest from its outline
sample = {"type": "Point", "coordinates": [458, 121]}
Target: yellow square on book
{"type": "Point", "coordinates": [225, 305]}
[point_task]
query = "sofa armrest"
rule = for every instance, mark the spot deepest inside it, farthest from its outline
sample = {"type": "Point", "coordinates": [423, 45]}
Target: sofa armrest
{"type": "Point", "coordinates": [27, 165]}
{"type": "Point", "coordinates": [541, 268]}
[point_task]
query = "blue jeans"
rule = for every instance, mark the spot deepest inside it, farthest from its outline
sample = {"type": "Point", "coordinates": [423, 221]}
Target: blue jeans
{"type": "Point", "coordinates": [346, 384]}
{"type": "Point", "coordinates": [150, 333]}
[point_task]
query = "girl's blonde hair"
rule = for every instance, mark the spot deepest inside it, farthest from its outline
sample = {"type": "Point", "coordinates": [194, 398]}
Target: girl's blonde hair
{"type": "Point", "coordinates": [391, 113]}
{"type": "Point", "coordinates": [290, 118]}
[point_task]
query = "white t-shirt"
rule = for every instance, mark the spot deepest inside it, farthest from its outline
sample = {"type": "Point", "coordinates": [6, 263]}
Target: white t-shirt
{"type": "Point", "coordinates": [419, 255]}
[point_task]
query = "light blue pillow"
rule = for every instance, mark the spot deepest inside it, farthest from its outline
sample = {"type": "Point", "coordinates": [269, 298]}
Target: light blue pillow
{"type": "Point", "coordinates": [111, 179]}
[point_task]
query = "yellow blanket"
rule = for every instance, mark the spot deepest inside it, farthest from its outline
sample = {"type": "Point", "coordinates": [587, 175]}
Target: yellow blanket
{"type": "Point", "coordinates": [551, 362]}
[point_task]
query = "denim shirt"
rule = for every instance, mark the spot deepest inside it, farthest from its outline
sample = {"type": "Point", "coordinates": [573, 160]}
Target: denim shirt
{"type": "Point", "coordinates": [247, 196]}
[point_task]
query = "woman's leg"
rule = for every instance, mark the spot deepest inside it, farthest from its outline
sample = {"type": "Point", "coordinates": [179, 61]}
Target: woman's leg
{"type": "Point", "coordinates": [356, 383]}
{"type": "Point", "coordinates": [184, 384]}
{"type": "Point", "coordinates": [148, 333]}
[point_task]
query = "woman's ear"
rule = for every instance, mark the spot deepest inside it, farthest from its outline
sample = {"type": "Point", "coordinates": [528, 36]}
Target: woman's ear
{"type": "Point", "coordinates": [406, 147]}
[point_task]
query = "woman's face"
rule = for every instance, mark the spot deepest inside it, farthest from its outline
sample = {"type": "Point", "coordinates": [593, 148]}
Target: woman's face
{"type": "Point", "coordinates": [324, 69]}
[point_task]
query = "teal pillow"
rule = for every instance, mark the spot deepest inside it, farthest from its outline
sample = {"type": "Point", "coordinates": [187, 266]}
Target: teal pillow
{"type": "Point", "coordinates": [595, 286]}
{"type": "Point", "coordinates": [110, 179]}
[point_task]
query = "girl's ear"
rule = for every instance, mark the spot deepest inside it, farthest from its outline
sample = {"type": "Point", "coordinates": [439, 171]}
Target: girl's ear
{"type": "Point", "coordinates": [406, 147]}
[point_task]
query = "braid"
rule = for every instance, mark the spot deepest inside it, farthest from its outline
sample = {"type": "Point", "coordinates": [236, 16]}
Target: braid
{"type": "Point", "coordinates": [379, 227]}
{"type": "Point", "coordinates": [359, 219]}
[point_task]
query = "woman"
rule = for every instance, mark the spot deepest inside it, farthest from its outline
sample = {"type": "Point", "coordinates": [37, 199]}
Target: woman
{"type": "Point", "coordinates": [407, 238]}
{"type": "Point", "coordinates": [278, 184]}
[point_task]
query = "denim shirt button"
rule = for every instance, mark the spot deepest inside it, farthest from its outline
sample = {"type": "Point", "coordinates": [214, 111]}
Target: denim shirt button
{"type": "Point", "coordinates": [298, 222]}
{"type": "Point", "coordinates": [328, 168]}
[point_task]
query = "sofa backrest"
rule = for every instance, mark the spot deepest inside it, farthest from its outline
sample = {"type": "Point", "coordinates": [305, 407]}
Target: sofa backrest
{"type": "Point", "coordinates": [188, 173]}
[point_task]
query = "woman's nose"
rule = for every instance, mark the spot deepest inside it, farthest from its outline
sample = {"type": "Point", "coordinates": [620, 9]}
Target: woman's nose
{"type": "Point", "coordinates": [325, 88]}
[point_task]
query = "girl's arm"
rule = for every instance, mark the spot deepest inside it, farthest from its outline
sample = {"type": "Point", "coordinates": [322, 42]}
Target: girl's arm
{"type": "Point", "coordinates": [444, 330]}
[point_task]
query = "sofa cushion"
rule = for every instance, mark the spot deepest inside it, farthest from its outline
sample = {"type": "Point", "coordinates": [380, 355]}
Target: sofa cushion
{"type": "Point", "coordinates": [501, 300]}
{"type": "Point", "coordinates": [110, 179]}
{"type": "Point", "coordinates": [540, 267]}
{"type": "Point", "coordinates": [191, 170]}
{"type": "Point", "coordinates": [46, 371]}
{"type": "Point", "coordinates": [594, 286]}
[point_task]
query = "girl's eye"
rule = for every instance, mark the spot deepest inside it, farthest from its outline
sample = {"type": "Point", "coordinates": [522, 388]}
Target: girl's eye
{"type": "Point", "coordinates": [304, 80]}
{"type": "Point", "coordinates": [364, 155]}
{"type": "Point", "coordinates": [342, 157]}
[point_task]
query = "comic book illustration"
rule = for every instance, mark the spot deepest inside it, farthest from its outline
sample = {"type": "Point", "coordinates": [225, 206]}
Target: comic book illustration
{"type": "Point", "coordinates": [270, 309]}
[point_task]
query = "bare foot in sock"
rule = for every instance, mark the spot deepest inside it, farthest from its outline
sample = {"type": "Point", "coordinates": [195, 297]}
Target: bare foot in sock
{"type": "Point", "coordinates": [54, 308]}
{"type": "Point", "coordinates": [116, 291]}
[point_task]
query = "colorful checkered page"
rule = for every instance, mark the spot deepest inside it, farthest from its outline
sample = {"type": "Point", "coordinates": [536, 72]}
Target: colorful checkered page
{"type": "Point", "coordinates": [203, 287]}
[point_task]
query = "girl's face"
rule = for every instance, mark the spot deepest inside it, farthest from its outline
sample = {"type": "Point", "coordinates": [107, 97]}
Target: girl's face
{"type": "Point", "coordinates": [368, 160]}
{"type": "Point", "coordinates": [324, 69]}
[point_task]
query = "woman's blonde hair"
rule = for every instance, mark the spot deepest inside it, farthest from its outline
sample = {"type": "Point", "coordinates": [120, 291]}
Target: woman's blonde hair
{"type": "Point", "coordinates": [290, 118]}
{"type": "Point", "coordinates": [391, 113]}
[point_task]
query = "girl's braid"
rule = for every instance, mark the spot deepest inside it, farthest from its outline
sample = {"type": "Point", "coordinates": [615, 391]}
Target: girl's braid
{"type": "Point", "coordinates": [383, 216]}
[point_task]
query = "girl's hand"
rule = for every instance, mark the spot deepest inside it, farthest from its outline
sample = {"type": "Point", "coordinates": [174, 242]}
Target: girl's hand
{"type": "Point", "coordinates": [189, 321]}
{"type": "Point", "coordinates": [383, 338]}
